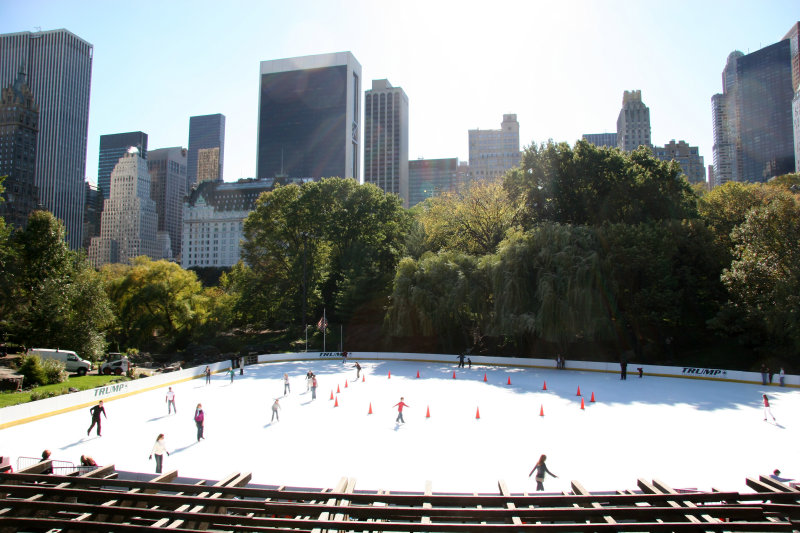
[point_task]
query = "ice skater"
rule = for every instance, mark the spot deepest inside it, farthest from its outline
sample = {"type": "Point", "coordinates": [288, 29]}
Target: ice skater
{"type": "Point", "coordinates": [275, 408]}
{"type": "Point", "coordinates": [782, 377]}
{"type": "Point", "coordinates": [159, 450]}
{"type": "Point", "coordinates": [208, 375]}
{"type": "Point", "coordinates": [400, 406]}
{"type": "Point", "coordinates": [96, 411]}
{"type": "Point", "coordinates": [309, 376]}
{"type": "Point", "coordinates": [460, 358]}
{"type": "Point", "coordinates": [171, 402]}
{"type": "Point", "coordinates": [199, 420]}
{"type": "Point", "coordinates": [232, 372]}
{"type": "Point", "coordinates": [541, 469]}
{"type": "Point", "coordinates": [623, 370]}
{"type": "Point", "coordinates": [286, 388]}
{"type": "Point", "coordinates": [358, 370]}
{"type": "Point", "coordinates": [313, 387]}
{"type": "Point", "coordinates": [767, 410]}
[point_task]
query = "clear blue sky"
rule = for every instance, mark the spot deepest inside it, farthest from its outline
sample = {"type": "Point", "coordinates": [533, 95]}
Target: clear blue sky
{"type": "Point", "coordinates": [560, 66]}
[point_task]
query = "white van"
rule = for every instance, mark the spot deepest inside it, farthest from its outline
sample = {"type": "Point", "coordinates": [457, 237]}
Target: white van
{"type": "Point", "coordinates": [71, 361]}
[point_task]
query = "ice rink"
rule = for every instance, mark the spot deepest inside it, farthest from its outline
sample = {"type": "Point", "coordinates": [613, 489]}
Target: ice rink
{"type": "Point", "coordinates": [688, 433]}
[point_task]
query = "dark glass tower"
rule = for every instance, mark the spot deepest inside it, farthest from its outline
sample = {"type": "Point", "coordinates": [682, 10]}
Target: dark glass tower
{"type": "Point", "coordinates": [205, 131]}
{"type": "Point", "coordinates": [308, 118]}
{"type": "Point", "coordinates": [112, 147]}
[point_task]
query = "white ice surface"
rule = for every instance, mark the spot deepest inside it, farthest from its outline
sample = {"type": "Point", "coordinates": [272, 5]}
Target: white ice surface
{"type": "Point", "coordinates": [688, 433]}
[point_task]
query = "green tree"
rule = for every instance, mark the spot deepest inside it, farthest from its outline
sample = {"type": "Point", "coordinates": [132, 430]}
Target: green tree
{"type": "Point", "coordinates": [157, 302]}
{"type": "Point", "coordinates": [764, 278]}
{"type": "Point", "coordinates": [591, 185]}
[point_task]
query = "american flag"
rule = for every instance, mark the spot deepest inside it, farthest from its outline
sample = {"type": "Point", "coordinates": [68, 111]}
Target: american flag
{"type": "Point", "coordinates": [322, 324]}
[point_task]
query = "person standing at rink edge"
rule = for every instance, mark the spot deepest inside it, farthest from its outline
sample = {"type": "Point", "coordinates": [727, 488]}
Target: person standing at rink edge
{"type": "Point", "coordinates": [208, 375]}
{"type": "Point", "coordinates": [159, 450]}
{"type": "Point", "coordinates": [541, 469]}
{"type": "Point", "coordinates": [96, 411]}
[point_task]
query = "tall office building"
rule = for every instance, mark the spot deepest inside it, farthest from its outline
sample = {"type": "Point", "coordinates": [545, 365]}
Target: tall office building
{"type": "Point", "coordinates": [688, 157]}
{"type": "Point", "coordinates": [59, 68]}
{"type": "Point", "coordinates": [431, 177]}
{"type": "Point", "coordinates": [633, 122]}
{"type": "Point", "coordinates": [754, 137]}
{"type": "Point", "coordinates": [492, 152]}
{"type": "Point", "coordinates": [309, 117]}
{"type": "Point", "coordinates": [386, 138]}
{"type": "Point", "coordinates": [92, 214]}
{"type": "Point", "coordinates": [167, 168]}
{"type": "Point", "coordinates": [601, 140]}
{"type": "Point", "coordinates": [793, 36]}
{"type": "Point", "coordinates": [129, 222]}
{"type": "Point", "coordinates": [796, 128]}
{"type": "Point", "coordinates": [19, 119]}
{"type": "Point", "coordinates": [205, 131]}
{"type": "Point", "coordinates": [112, 147]}
{"type": "Point", "coordinates": [208, 168]}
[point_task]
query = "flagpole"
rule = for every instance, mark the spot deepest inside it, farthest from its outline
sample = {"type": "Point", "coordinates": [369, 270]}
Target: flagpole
{"type": "Point", "coordinates": [324, 330]}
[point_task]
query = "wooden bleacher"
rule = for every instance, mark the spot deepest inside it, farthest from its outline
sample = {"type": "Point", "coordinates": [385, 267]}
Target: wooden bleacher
{"type": "Point", "coordinates": [104, 500]}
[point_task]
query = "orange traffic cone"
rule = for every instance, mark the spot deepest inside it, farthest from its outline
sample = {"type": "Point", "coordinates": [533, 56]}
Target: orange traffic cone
{"type": "Point", "coordinates": [428, 413]}
{"type": "Point", "coordinates": [545, 385]}
{"type": "Point", "coordinates": [582, 406]}
{"type": "Point", "coordinates": [484, 377]}
{"type": "Point", "coordinates": [390, 374]}
{"type": "Point", "coordinates": [454, 374]}
{"type": "Point", "coordinates": [363, 379]}
{"type": "Point", "coordinates": [331, 395]}
{"type": "Point", "coordinates": [337, 402]}
{"type": "Point", "coordinates": [541, 410]}
{"type": "Point", "coordinates": [345, 384]}
{"type": "Point", "coordinates": [337, 390]}
{"type": "Point", "coordinates": [478, 413]}
{"type": "Point", "coordinates": [579, 391]}
{"type": "Point", "coordinates": [417, 373]}
{"type": "Point", "coordinates": [370, 408]}
{"type": "Point", "coordinates": [509, 380]}
{"type": "Point", "coordinates": [592, 397]}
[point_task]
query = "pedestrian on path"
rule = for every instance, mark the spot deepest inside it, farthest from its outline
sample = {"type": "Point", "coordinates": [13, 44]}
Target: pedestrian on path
{"type": "Point", "coordinates": [767, 410]}
{"type": "Point", "coordinates": [171, 402]}
{"type": "Point", "coordinates": [200, 421]}
{"type": "Point", "coordinates": [400, 406]}
{"type": "Point", "coordinates": [96, 411]}
{"type": "Point", "coordinates": [541, 469]}
{"type": "Point", "coordinates": [159, 450]}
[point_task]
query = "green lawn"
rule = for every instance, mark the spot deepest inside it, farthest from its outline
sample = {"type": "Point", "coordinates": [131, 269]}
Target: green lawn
{"type": "Point", "coordinates": [77, 382]}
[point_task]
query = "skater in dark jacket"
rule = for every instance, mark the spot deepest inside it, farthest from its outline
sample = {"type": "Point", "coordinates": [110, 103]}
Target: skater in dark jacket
{"type": "Point", "coordinates": [541, 469]}
{"type": "Point", "coordinates": [96, 410]}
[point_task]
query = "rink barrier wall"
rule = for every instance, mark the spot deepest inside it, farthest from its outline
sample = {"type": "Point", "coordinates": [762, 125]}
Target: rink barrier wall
{"type": "Point", "coordinates": [28, 412]}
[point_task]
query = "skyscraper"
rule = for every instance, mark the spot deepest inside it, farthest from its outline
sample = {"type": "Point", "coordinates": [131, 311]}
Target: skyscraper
{"type": "Point", "coordinates": [205, 131]}
{"type": "Point", "coordinates": [129, 222]}
{"type": "Point", "coordinates": [753, 129]}
{"type": "Point", "coordinates": [167, 168]}
{"type": "Point", "coordinates": [688, 157]}
{"type": "Point", "coordinates": [633, 122]}
{"type": "Point", "coordinates": [112, 147]}
{"type": "Point", "coordinates": [19, 119]}
{"type": "Point", "coordinates": [386, 138]}
{"type": "Point", "coordinates": [309, 117]}
{"type": "Point", "coordinates": [208, 165]}
{"type": "Point", "coordinates": [492, 152]}
{"type": "Point", "coordinates": [601, 140]}
{"type": "Point", "coordinates": [59, 68]}
{"type": "Point", "coordinates": [431, 177]}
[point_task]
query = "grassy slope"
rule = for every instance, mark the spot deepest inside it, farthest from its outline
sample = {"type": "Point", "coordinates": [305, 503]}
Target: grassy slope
{"type": "Point", "coordinates": [76, 382]}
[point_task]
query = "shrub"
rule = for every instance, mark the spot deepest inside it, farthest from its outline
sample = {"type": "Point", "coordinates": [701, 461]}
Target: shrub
{"type": "Point", "coordinates": [54, 371]}
{"type": "Point", "coordinates": [32, 370]}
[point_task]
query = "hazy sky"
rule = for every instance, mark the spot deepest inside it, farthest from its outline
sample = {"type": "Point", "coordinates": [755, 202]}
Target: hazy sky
{"type": "Point", "coordinates": [561, 66]}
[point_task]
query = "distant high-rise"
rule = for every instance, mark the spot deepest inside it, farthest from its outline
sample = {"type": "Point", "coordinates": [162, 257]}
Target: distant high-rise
{"type": "Point", "coordinates": [633, 122]}
{"type": "Point", "coordinates": [687, 156]}
{"type": "Point", "coordinates": [112, 147]}
{"type": "Point", "coordinates": [386, 138]}
{"type": "Point", "coordinates": [431, 177]}
{"type": "Point", "coordinates": [309, 117]}
{"type": "Point", "coordinates": [601, 140]}
{"type": "Point", "coordinates": [492, 152]}
{"type": "Point", "coordinates": [208, 165]}
{"type": "Point", "coordinates": [129, 222]}
{"type": "Point", "coordinates": [92, 214]}
{"type": "Point", "coordinates": [19, 119]}
{"type": "Point", "coordinates": [167, 168]}
{"type": "Point", "coordinates": [59, 68]}
{"type": "Point", "coordinates": [205, 131]}
{"type": "Point", "coordinates": [754, 137]}
{"type": "Point", "coordinates": [793, 36]}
